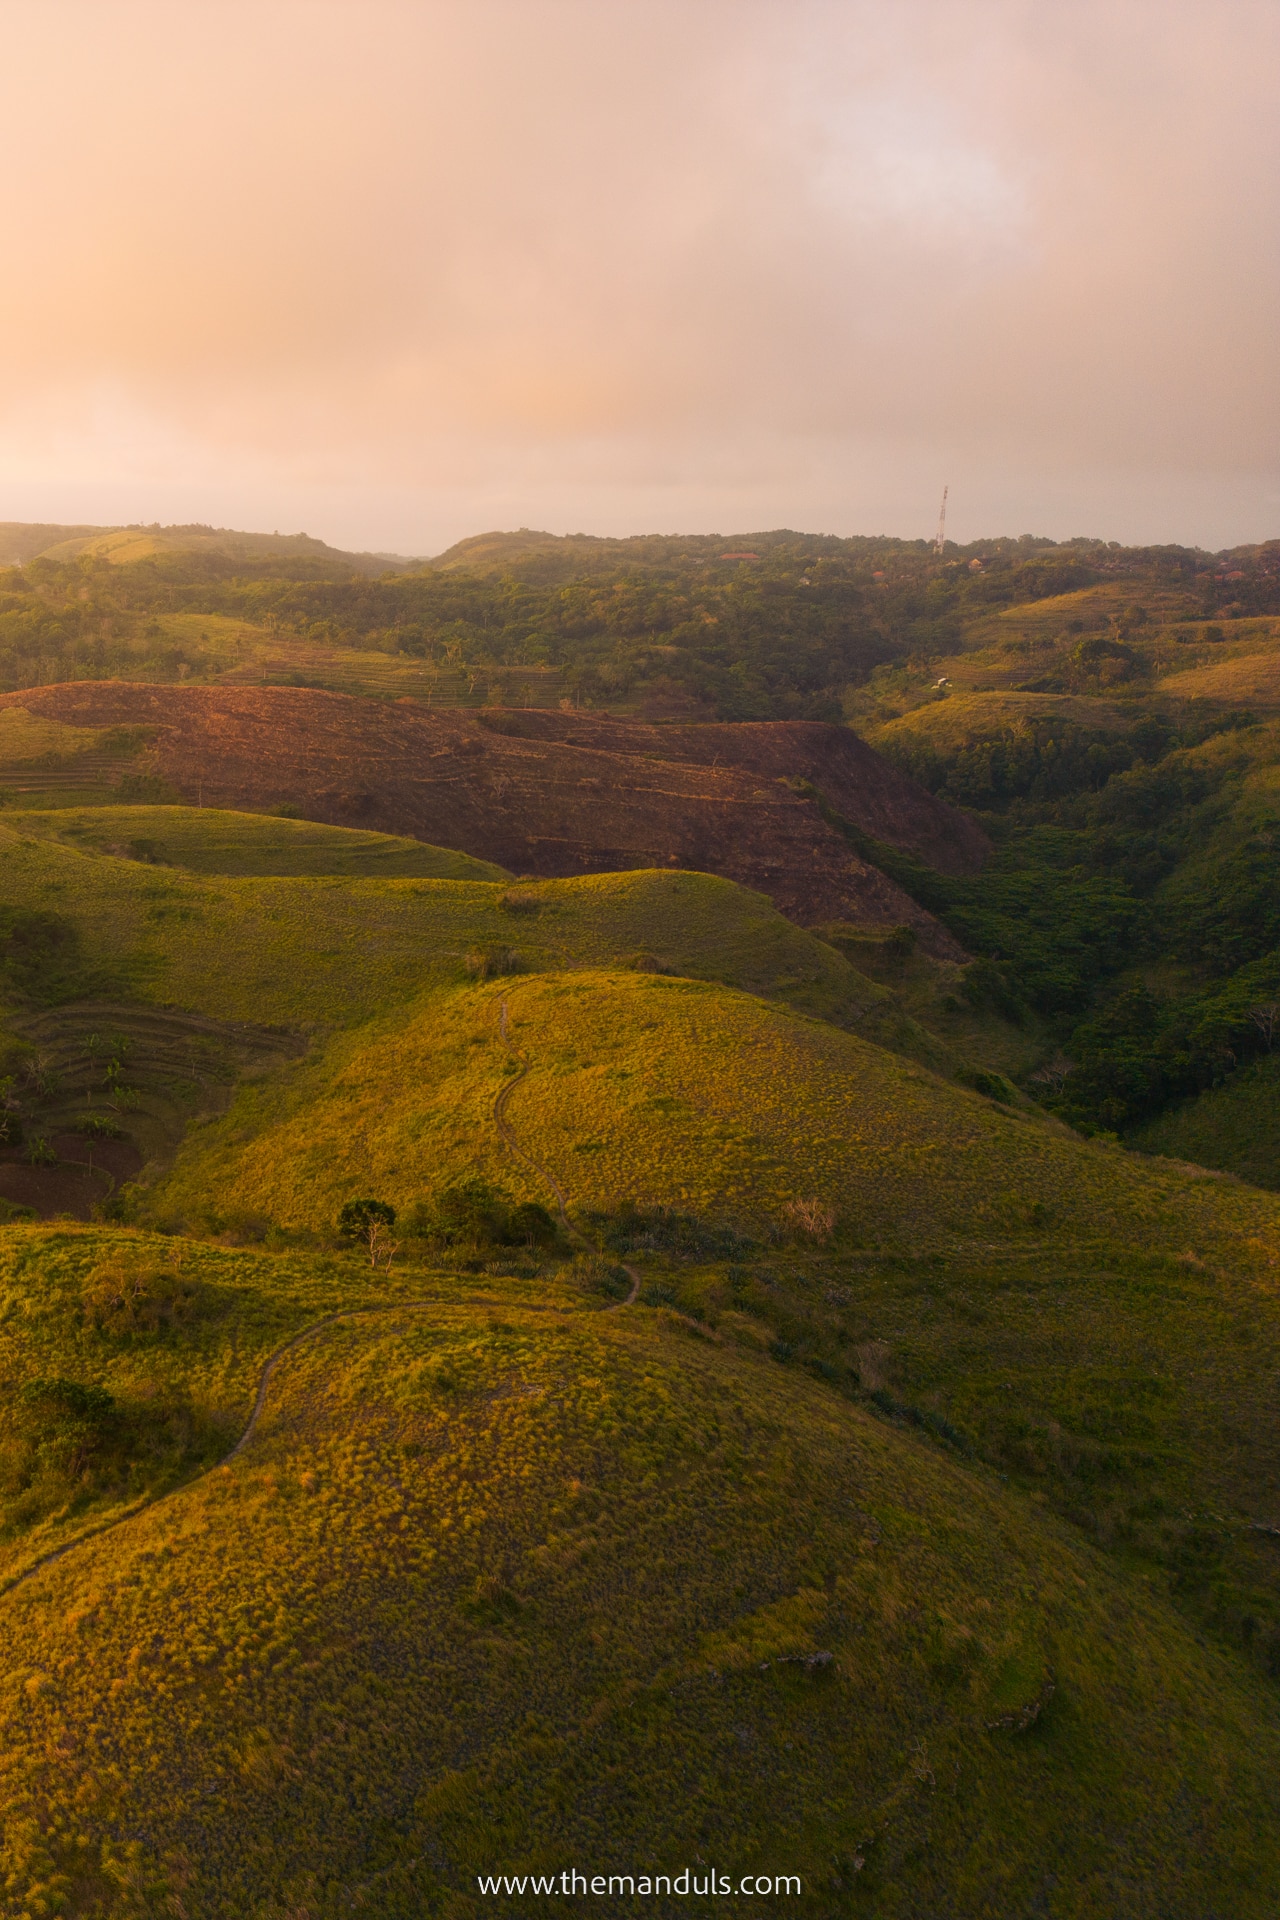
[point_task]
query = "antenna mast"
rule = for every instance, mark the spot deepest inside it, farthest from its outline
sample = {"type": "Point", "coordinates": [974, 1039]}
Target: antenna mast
{"type": "Point", "coordinates": [941, 541]}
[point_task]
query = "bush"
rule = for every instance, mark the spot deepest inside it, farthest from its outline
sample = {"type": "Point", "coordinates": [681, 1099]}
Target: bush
{"type": "Point", "coordinates": [812, 1217]}
{"type": "Point", "coordinates": [145, 790]}
{"type": "Point", "coordinates": [476, 1213]}
{"type": "Point", "coordinates": [489, 963]}
{"type": "Point", "coordinates": [992, 1086]}
{"type": "Point", "coordinates": [65, 1421]}
{"type": "Point", "coordinates": [594, 1274]}
{"type": "Point", "coordinates": [63, 1440]}
{"type": "Point", "coordinates": [122, 1296]}
{"type": "Point", "coordinates": [921, 1417]}
{"type": "Point", "coordinates": [532, 1225]}
{"type": "Point", "coordinates": [635, 1229]}
{"type": "Point", "coordinates": [357, 1216]}
{"type": "Point", "coordinates": [368, 1223]}
{"type": "Point", "coordinates": [40, 954]}
{"type": "Point", "coordinates": [149, 852]}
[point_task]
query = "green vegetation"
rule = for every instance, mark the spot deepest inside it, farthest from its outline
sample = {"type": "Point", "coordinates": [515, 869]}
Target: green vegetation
{"type": "Point", "coordinates": [1131, 913]}
{"type": "Point", "coordinates": [912, 1530]}
{"type": "Point", "coordinates": [504, 1582]}
{"type": "Point", "coordinates": [204, 840]}
{"type": "Point", "coordinates": [296, 939]}
{"type": "Point", "coordinates": [164, 1338]}
{"type": "Point", "coordinates": [671, 626]}
{"type": "Point", "coordinates": [656, 1091]}
{"type": "Point", "coordinates": [1235, 1126]}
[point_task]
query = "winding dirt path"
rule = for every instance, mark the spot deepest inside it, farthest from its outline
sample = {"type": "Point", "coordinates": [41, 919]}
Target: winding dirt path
{"type": "Point", "coordinates": [264, 1381]}
{"type": "Point", "coordinates": [331, 1319]}
{"type": "Point", "coordinates": [503, 1125]}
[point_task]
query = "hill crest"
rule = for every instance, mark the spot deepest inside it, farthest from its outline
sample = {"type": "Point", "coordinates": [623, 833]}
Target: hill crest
{"type": "Point", "coordinates": [21, 542]}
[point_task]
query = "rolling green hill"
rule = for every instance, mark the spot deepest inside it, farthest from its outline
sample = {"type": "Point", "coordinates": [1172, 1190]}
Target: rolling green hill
{"type": "Point", "coordinates": [295, 553]}
{"type": "Point", "coordinates": [670, 1093]}
{"type": "Point", "coordinates": [321, 951]}
{"type": "Point", "coordinates": [909, 1533]}
{"type": "Point", "coordinates": [217, 842]}
{"type": "Point", "coordinates": [505, 1585]}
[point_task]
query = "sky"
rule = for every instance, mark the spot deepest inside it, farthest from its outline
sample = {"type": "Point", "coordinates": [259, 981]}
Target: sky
{"type": "Point", "coordinates": [397, 271]}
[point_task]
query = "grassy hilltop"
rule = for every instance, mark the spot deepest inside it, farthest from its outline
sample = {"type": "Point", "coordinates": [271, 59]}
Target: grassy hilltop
{"type": "Point", "coordinates": [504, 1583]}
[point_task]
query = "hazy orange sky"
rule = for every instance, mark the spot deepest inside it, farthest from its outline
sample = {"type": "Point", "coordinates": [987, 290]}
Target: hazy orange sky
{"type": "Point", "coordinates": [394, 271]}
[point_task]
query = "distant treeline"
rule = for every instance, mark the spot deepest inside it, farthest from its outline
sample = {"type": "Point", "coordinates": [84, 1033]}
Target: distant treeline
{"type": "Point", "coordinates": [681, 624]}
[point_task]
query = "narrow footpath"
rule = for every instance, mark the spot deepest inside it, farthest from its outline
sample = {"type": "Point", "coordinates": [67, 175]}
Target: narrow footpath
{"type": "Point", "coordinates": [331, 1319]}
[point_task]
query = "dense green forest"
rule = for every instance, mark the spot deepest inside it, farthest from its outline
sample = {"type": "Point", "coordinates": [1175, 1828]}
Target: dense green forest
{"type": "Point", "coordinates": [1137, 911]}
{"type": "Point", "coordinates": [680, 626]}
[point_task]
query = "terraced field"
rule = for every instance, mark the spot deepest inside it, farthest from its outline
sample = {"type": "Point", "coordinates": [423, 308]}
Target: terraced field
{"type": "Point", "coordinates": [1248, 677]}
{"type": "Point", "coordinates": [107, 1089]}
{"type": "Point", "coordinates": [43, 762]}
{"type": "Point", "coordinates": [209, 840]}
{"type": "Point", "coordinates": [966, 717]}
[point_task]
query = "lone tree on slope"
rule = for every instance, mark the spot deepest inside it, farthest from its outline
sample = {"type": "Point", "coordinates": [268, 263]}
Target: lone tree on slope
{"type": "Point", "coordinates": [368, 1223]}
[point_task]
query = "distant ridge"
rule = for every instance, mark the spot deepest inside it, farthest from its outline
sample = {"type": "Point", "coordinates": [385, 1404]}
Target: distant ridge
{"type": "Point", "coordinates": [536, 555]}
{"type": "Point", "coordinates": [299, 553]}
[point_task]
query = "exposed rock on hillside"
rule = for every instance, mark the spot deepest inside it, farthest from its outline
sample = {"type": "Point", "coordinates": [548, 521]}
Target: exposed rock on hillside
{"type": "Point", "coordinates": [552, 793]}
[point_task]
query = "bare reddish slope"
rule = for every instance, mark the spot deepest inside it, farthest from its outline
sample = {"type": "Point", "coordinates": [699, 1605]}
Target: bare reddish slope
{"type": "Point", "coordinates": [852, 778]}
{"type": "Point", "coordinates": [551, 793]}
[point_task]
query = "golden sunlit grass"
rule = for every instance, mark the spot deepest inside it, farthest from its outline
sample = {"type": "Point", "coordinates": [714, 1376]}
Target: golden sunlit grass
{"type": "Point", "coordinates": [326, 952]}
{"type": "Point", "coordinates": [29, 736]}
{"type": "Point", "coordinates": [205, 840]}
{"type": "Point", "coordinates": [233, 652]}
{"type": "Point", "coordinates": [234, 1309]}
{"type": "Point", "coordinates": [502, 1581]}
{"type": "Point", "coordinates": [1247, 679]}
{"type": "Point", "coordinates": [676, 1093]}
{"type": "Point", "coordinates": [498, 1589]}
{"type": "Point", "coordinates": [966, 717]}
{"type": "Point", "coordinates": [1095, 606]}
{"type": "Point", "coordinates": [120, 548]}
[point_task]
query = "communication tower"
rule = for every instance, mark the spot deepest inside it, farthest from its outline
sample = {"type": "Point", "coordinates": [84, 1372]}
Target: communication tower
{"type": "Point", "coordinates": [941, 541]}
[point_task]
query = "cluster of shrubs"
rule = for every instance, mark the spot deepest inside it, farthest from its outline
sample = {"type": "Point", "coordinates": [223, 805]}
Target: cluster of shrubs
{"type": "Point", "coordinates": [470, 1213]}
{"type": "Point", "coordinates": [67, 1440]}
{"type": "Point", "coordinates": [121, 1296]}
{"type": "Point", "coordinates": [63, 1439]}
{"type": "Point", "coordinates": [490, 963]}
{"type": "Point", "coordinates": [689, 1236]}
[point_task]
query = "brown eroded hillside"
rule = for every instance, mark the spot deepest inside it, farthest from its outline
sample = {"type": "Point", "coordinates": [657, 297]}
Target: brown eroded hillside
{"type": "Point", "coordinates": [552, 794]}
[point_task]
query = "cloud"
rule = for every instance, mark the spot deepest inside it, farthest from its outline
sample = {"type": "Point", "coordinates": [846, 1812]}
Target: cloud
{"type": "Point", "coordinates": [401, 267]}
